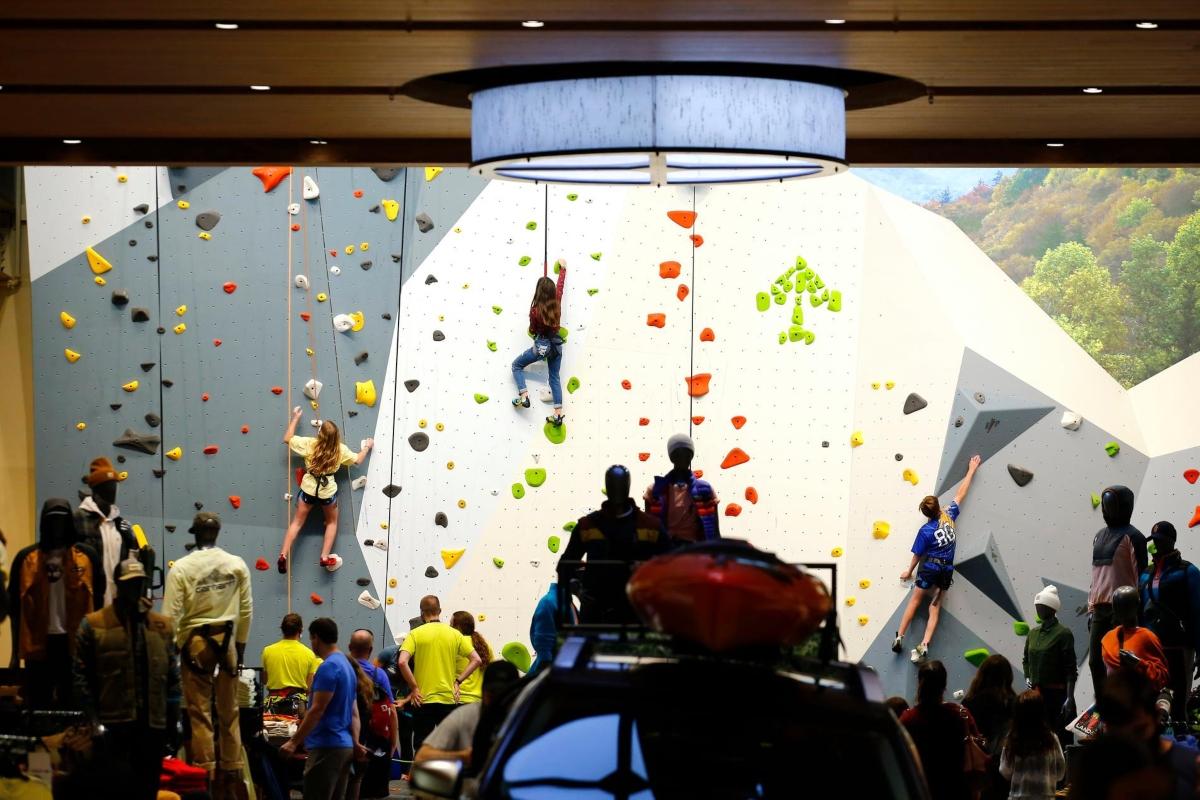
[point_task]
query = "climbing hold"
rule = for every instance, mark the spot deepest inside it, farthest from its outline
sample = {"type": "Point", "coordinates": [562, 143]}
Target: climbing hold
{"type": "Point", "coordinates": [596, 256]}
{"type": "Point", "coordinates": [914, 402]}
{"type": "Point", "coordinates": [411, 385]}
{"type": "Point", "coordinates": [1095, 500]}
{"type": "Point", "coordinates": [335, 270]}
{"type": "Point", "coordinates": [733, 510]}
{"type": "Point", "coordinates": [889, 385]}
{"type": "Point", "coordinates": [175, 453]}
{"type": "Point", "coordinates": [626, 385]}
{"type": "Point", "coordinates": [451, 557]}
{"type": "Point", "coordinates": [293, 209]}
{"type": "Point", "coordinates": [97, 262]}
{"type": "Point", "coordinates": [531, 226]}
{"type": "Point", "coordinates": [360, 358]}
{"type": "Point", "coordinates": [391, 490]}
{"type": "Point", "coordinates": [1020, 628]}
{"type": "Point", "coordinates": [66, 319]}
{"type": "Point", "coordinates": [147, 366]}
{"type": "Point", "coordinates": [271, 176]}
{"type": "Point", "coordinates": [734, 457]}
{"type": "Point", "coordinates": [881, 529]}
{"type": "Point", "coordinates": [277, 390]}
{"type": "Point", "coordinates": [322, 297]}
{"type": "Point", "coordinates": [1071, 421]}
{"type": "Point", "coordinates": [517, 654]}
{"type": "Point", "coordinates": [211, 450]}
{"type": "Point", "coordinates": [656, 320]}
{"type": "Point", "coordinates": [977, 656]}
{"type": "Point", "coordinates": [1112, 448]}
{"type": "Point", "coordinates": [130, 387]}
{"type": "Point", "coordinates": [856, 439]}
{"type": "Point", "coordinates": [431, 173]}
{"type": "Point", "coordinates": [837, 552]}
{"type": "Point", "coordinates": [301, 282]}
{"type": "Point", "coordinates": [697, 420]}
{"type": "Point", "coordinates": [391, 208]}
{"type": "Point", "coordinates": [569, 526]}
{"type": "Point", "coordinates": [342, 323]}
{"type": "Point", "coordinates": [752, 494]}
{"type": "Point", "coordinates": [1195, 520]}
{"type": "Point", "coordinates": [523, 261]}
{"type": "Point", "coordinates": [707, 335]}
{"type": "Point", "coordinates": [180, 310]}
{"type": "Point", "coordinates": [180, 328]}
{"type": "Point", "coordinates": [669, 269]}
{"type": "Point", "coordinates": [644, 421]}
{"type": "Point", "coordinates": [153, 420]}
{"type": "Point", "coordinates": [518, 490]}
{"type": "Point", "coordinates": [835, 302]}
{"type": "Point", "coordinates": [139, 442]}
{"type": "Point", "coordinates": [295, 227]}
{"type": "Point", "coordinates": [684, 219]}
{"type": "Point", "coordinates": [1191, 475]}
{"type": "Point", "coordinates": [592, 292]}
{"type": "Point", "coordinates": [207, 220]}
{"type": "Point", "coordinates": [419, 441]}
{"type": "Point", "coordinates": [357, 320]}
{"type": "Point", "coordinates": [364, 393]}
{"type": "Point", "coordinates": [643, 456]}
{"type": "Point", "coordinates": [309, 190]}
{"type": "Point", "coordinates": [481, 398]}
{"type": "Point", "coordinates": [682, 292]}
{"type": "Point", "coordinates": [312, 388]}
{"type": "Point", "coordinates": [851, 600]}
{"type": "Point", "coordinates": [71, 355]}
{"type": "Point", "coordinates": [142, 208]}
{"type": "Point", "coordinates": [762, 301]}
{"type": "Point", "coordinates": [910, 476]}
{"type": "Point", "coordinates": [557, 434]}
{"type": "Point", "coordinates": [738, 422]}
{"type": "Point", "coordinates": [863, 620]}
{"type": "Point", "coordinates": [183, 204]}
{"type": "Point", "coordinates": [80, 426]}
{"type": "Point", "coordinates": [245, 429]}
{"type": "Point", "coordinates": [438, 336]}
{"type": "Point", "coordinates": [497, 310]}
{"type": "Point", "coordinates": [316, 599]}
{"type": "Point", "coordinates": [865, 583]}
{"type": "Point", "coordinates": [535, 476]}
{"type": "Point", "coordinates": [698, 384]}
{"type": "Point", "coordinates": [235, 501]}
{"type": "Point", "coordinates": [261, 565]}
{"type": "Point", "coordinates": [1020, 475]}
{"type": "Point", "coordinates": [99, 281]}
{"type": "Point", "coordinates": [115, 406]}
{"type": "Point", "coordinates": [697, 239]}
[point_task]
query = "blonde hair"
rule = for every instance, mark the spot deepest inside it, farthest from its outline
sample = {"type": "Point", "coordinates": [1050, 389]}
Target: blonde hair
{"type": "Point", "coordinates": [326, 456]}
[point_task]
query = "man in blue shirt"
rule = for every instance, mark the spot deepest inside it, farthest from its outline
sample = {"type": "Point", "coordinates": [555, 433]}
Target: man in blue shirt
{"type": "Point", "coordinates": [933, 550]}
{"type": "Point", "coordinates": [370, 780]}
{"type": "Point", "coordinates": [330, 730]}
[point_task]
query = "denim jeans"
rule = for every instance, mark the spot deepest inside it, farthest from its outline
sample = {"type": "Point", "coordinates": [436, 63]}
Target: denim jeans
{"type": "Point", "coordinates": [543, 348]}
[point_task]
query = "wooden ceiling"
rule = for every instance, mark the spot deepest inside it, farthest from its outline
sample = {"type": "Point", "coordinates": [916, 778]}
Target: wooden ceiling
{"type": "Point", "coordinates": [143, 82]}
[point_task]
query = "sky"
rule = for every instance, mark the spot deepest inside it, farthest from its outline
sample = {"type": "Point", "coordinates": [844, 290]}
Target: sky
{"type": "Point", "coordinates": [920, 184]}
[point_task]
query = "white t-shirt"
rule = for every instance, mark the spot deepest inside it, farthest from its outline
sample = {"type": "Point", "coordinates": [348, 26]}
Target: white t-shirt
{"type": "Point", "coordinates": [110, 539]}
{"type": "Point", "coordinates": [58, 598]}
{"type": "Point", "coordinates": [457, 730]}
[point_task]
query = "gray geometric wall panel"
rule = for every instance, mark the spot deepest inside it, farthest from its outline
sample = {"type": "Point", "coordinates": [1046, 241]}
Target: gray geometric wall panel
{"type": "Point", "coordinates": [986, 571]}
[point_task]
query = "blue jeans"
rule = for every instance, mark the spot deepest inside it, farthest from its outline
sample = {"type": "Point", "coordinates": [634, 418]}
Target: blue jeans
{"type": "Point", "coordinates": [543, 348]}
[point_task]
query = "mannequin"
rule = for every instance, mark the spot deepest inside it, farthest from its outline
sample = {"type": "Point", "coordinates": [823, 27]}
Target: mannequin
{"type": "Point", "coordinates": [617, 532]}
{"type": "Point", "coordinates": [99, 522]}
{"type": "Point", "coordinates": [1050, 664]}
{"type": "Point", "coordinates": [686, 505]}
{"type": "Point", "coordinates": [53, 584]}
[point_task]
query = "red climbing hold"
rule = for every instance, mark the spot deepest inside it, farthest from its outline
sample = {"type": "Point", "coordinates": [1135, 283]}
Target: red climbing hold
{"type": "Point", "coordinates": [245, 429]}
{"type": "Point", "coordinates": [732, 510]}
{"type": "Point", "coordinates": [697, 239]}
{"type": "Point", "coordinates": [216, 342]}
{"type": "Point", "coordinates": [204, 397]}
{"type": "Point", "coordinates": [698, 384]}
{"type": "Point", "coordinates": [697, 420]}
{"type": "Point", "coordinates": [271, 176]}
{"type": "Point", "coordinates": [276, 390]}
{"type": "Point", "coordinates": [358, 193]}
{"type": "Point", "coordinates": [643, 456]}
{"type": "Point", "coordinates": [1191, 475]}
{"type": "Point", "coordinates": [230, 287]}
{"type": "Point", "coordinates": [626, 385]}
{"type": "Point", "coordinates": [211, 449]}
{"type": "Point", "coordinates": [752, 494]}
{"type": "Point", "coordinates": [699, 473]}
{"type": "Point", "coordinates": [738, 422]}
{"type": "Point", "coordinates": [333, 253]}
{"type": "Point", "coordinates": [304, 315]}
{"type": "Point", "coordinates": [736, 456]}
{"type": "Point", "coordinates": [644, 421]}
{"type": "Point", "coordinates": [235, 501]}
{"type": "Point", "coordinates": [668, 269]}
{"type": "Point", "coordinates": [295, 227]}
{"type": "Point", "coordinates": [684, 219]}
{"type": "Point", "coordinates": [682, 292]}
{"type": "Point", "coordinates": [316, 599]}
{"type": "Point", "coordinates": [707, 335]}
{"type": "Point", "coordinates": [1195, 518]}
{"type": "Point", "coordinates": [261, 565]}
{"type": "Point", "coordinates": [656, 320]}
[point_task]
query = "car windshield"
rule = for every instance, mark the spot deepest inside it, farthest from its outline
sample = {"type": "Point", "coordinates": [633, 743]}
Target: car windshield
{"type": "Point", "coordinates": [770, 737]}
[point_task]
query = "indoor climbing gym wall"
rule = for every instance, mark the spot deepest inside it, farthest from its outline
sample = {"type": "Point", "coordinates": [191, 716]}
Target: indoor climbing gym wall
{"type": "Point", "coordinates": [835, 352]}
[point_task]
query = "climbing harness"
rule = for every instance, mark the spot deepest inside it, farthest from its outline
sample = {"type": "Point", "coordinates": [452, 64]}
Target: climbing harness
{"type": "Point", "coordinates": [220, 650]}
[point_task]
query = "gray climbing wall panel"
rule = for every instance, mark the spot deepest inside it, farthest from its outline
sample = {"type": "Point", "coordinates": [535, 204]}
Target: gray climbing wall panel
{"type": "Point", "coordinates": [986, 570]}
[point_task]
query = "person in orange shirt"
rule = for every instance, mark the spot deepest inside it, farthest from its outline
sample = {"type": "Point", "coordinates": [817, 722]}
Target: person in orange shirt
{"type": "Point", "coordinates": [1129, 646]}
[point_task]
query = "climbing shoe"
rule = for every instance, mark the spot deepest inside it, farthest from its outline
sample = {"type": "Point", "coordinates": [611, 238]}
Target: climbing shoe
{"type": "Point", "coordinates": [897, 643]}
{"type": "Point", "coordinates": [556, 420]}
{"type": "Point", "coordinates": [919, 653]}
{"type": "Point", "coordinates": [332, 562]}
{"type": "Point", "coordinates": [281, 565]}
{"type": "Point", "coordinates": [521, 402]}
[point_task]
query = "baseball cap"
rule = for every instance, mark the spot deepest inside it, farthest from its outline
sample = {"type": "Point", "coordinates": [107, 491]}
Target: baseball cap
{"type": "Point", "coordinates": [205, 521]}
{"type": "Point", "coordinates": [130, 569]}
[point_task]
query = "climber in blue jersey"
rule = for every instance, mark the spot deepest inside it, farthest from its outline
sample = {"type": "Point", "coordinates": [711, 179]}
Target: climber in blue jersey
{"type": "Point", "coordinates": [933, 551]}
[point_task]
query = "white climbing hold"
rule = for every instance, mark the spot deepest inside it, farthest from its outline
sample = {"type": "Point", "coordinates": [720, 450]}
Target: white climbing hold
{"type": "Point", "coordinates": [302, 282]}
{"type": "Point", "coordinates": [312, 389]}
{"type": "Point", "coordinates": [342, 323]}
{"type": "Point", "coordinates": [335, 270]}
{"type": "Point", "coordinates": [365, 599]}
{"type": "Point", "coordinates": [381, 544]}
{"type": "Point", "coordinates": [316, 423]}
{"type": "Point", "coordinates": [293, 209]}
{"type": "Point", "coordinates": [359, 483]}
{"type": "Point", "coordinates": [1071, 421]}
{"type": "Point", "coordinates": [287, 496]}
{"type": "Point", "coordinates": [337, 563]}
{"type": "Point", "coordinates": [310, 191]}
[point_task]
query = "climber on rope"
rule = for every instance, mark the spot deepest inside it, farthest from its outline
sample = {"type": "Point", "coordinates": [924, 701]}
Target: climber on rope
{"type": "Point", "coordinates": [545, 315]}
{"type": "Point", "coordinates": [323, 457]}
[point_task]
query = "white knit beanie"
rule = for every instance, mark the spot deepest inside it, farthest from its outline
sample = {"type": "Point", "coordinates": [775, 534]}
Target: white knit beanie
{"type": "Point", "coordinates": [1048, 597]}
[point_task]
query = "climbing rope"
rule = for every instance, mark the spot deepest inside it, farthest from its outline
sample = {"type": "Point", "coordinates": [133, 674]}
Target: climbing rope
{"type": "Point", "coordinates": [287, 458]}
{"type": "Point", "coordinates": [546, 232]}
{"type": "Point", "coordinates": [692, 323]}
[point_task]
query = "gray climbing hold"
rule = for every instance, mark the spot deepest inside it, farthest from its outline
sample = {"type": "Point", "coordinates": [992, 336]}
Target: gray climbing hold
{"type": "Point", "coordinates": [958, 423]}
{"type": "Point", "coordinates": [385, 174]}
{"type": "Point", "coordinates": [430, 572]}
{"type": "Point", "coordinates": [352, 413]}
{"type": "Point", "coordinates": [198, 505]}
{"type": "Point", "coordinates": [147, 366]}
{"type": "Point", "coordinates": [133, 242]}
{"type": "Point", "coordinates": [207, 220]}
{"type": "Point", "coordinates": [138, 442]}
{"type": "Point", "coordinates": [152, 259]}
{"type": "Point", "coordinates": [412, 385]}
{"type": "Point", "coordinates": [161, 330]}
{"type": "Point", "coordinates": [142, 208]}
{"type": "Point", "coordinates": [396, 258]}
{"type": "Point", "coordinates": [440, 519]}
{"type": "Point", "coordinates": [120, 297]}
{"type": "Point", "coordinates": [914, 402]}
{"type": "Point", "coordinates": [170, 528]}
{"type": "Point", "coordinates": [430, 279]}
{"type": "Point", "coordinates": [899, 456]}
{"type": "Point", "coordinates": [386, 315]}
{"type": "Point", "coordinates": [153, 420]}
{"type": "Point", "coordinates": [979, 398]}
{"type": "Point", "coordinates": [139, 315]}
{"type": "Point", "coordinates": [824, 444]}
{"type": "Point", "coordinates": [363, 581]}
{"type": "Point", "coordinates": [360, 358]}
{"type": "Point", "coordinates": [120, 459]}
{"type": "Point", "coordinates": [115, 406]}
{"type": "Point", "coordinates": [167, 382]}
{"type": "Point", "coordinates": [1020, 475]}
{"type": "Point", "coordinates": [373, 209]}
{"type": "Point", "coordinates": [424, 222]}
{"type": "Point", "coordinates": [419, 441]}
{"type": "Point", "coordinates": [158, 473]}
{"type": "Point", "coordinates": [149, 224]}
{"type": "Point", "coordinates": [391, 490]}
{"type": "Point", "coordinates": [438, 336]}
{"type": "Point", "coordinates": [366, 265]}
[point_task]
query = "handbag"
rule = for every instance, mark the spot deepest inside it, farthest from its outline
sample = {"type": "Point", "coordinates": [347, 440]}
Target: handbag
{"type": "Point", "coordinates": [975, 757]}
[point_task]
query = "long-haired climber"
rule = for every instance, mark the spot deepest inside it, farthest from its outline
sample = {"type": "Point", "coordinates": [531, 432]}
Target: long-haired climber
{"type": "Point", "coordinates": [323, 456]}
{"type": "Point", "coordinates": [472, 687]}
{"type": "Point", "coordinates": [545, 316]}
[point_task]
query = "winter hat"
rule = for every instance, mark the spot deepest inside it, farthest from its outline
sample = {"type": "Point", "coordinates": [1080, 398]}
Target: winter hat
{"type": "Point", "coordinates": [1048, 597]}
{"type": "Point", "coordinates": [680, 441]}
{"type": "Point", "coordinates": [100, 471]}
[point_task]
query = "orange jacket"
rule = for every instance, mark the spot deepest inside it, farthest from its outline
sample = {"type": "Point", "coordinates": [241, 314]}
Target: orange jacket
{"type": "Point", "coordinates": [1142, 643]}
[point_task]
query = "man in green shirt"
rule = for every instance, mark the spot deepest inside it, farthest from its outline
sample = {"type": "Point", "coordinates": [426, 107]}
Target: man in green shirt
{"type": "Point", "coordinates": [1049, 662]}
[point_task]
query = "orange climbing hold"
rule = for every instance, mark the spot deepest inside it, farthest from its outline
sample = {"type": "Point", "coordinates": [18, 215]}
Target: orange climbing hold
{"type": "Point", "coordinates": [316, 599]}
{"type": "Point", "coordinates": [752, 494]}
{"type": "Point", "coordinates": [295, 227]}
{"type": "Point", "coordinates": [684, 219]}
{"type": "Point", "coordinates": [271, 176]}
{"type": "Point", "coordinates": [738, 422]}
{"type": "Point", "coordinates": [699, 473]}
{"type": "Point", "coordinates": [736, 456]}
{"type": "Point", "coordinates": [697, 239]}
{"type": "Point", "coordinates": [261, 565]}
{"type": "Point", "coordinates": [643, 456]}
{"type": "Point", "coordinates": [204, 397]}
{"type": "Point", "coordinates": [732, 510]}
{"type": "Point", "coordinates": [656, 320]}
{"type": "Point", "coordinates": [245, 429]}
{"type": "Point", "coordinates": [697, 420]}
{"type": "Point", "coordinates": [304, 315]}
{"type": "Point", "coordinates": [216, 342]}
{"type": "Point", "coordinates": [276, 390]}
{"type": "Point", "coordinates": [682, 292]}
{"type": "Point", "coordinates": [626, 385]}
{"type": "Point", "coordinates": [644, 421]}
{"type": "Point", "coordinates": [668, 269]}
{"type": "Point", "coordinates": [1195, 518]}
{"type": "Point", "coordinates": [1191, 475]}
{"type": "Point", "coordinates": [235, 501]}
{"type": "Point", "coordinates": [698, 384]}
{"type": "Point", "coordinates": [707, 335]}
{"type": "Point", "coordinates": [230, 287]}
{"type": "Point", "coordinates": [211, 449]}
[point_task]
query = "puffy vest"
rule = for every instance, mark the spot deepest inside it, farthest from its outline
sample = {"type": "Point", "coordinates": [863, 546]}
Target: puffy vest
{"type": "Point", "coordinates": [34, 586]}
{"type": "Point", "coordinates": [116, 689]}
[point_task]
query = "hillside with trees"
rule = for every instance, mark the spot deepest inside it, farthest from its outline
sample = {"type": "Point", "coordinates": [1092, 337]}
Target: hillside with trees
{"type": "Point", "coordinates": [1112, 254]}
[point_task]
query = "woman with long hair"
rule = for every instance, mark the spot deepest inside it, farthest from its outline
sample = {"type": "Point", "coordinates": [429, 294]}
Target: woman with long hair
{"type": "Point", "coordinates": [472, 687]}
{"type": "Point", "coordinates": [545, 318]}
{"type": "Point", "coordinates": [1032, 757]}
{"type": "Point", "coordinates": [990, 699]}
{"type": "Point", "coordinates": [939, 730]}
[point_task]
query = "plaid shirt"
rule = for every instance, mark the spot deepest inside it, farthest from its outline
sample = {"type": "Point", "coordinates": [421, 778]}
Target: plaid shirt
{"type": "Point", "coordinates": [1034, 776]}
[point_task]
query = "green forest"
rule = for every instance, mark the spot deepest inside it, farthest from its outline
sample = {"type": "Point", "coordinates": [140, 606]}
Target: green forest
{"type": "Point", "coordinates": [1112, 254]}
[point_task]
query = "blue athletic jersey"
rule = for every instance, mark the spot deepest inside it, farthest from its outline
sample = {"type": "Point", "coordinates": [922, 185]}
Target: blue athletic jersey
{"type": "Point", "coordinates": [936, 540]}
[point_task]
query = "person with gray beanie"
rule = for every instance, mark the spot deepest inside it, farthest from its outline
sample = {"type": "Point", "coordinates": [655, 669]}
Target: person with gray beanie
{"type": "Point", "coordinates": [686, 505]}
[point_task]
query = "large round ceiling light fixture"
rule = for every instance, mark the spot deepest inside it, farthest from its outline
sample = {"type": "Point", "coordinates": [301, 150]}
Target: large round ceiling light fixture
{"type": "Point", "coordinates": [662, 123]}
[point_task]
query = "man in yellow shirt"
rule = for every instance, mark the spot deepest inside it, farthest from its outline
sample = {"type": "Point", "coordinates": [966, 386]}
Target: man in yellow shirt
{"type": "Point", "coordinates": [288, 668]}
{"type": "Point", "coordinates": [434, 689]}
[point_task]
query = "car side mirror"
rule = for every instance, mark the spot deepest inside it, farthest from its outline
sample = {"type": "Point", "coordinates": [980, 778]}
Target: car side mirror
{"type": "Point", "coordinates": [438, 778]}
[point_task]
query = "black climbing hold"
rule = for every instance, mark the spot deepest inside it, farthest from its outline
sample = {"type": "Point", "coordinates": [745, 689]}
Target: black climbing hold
{"type": "Point", "coordinates": [440, 519]}
{"type": "Point", "coordinates": [140, 442]}
{"type": "Point", "coordinates": [958, 423]}
{"type": "Point", "coordinates": [369, 542]}
{"type": "Point", "coordinates": [419, 441]}
{"type": "Point", "coordinates": [147, 366]}
{"type": "Point", "coordinates": [366, 265]}
{"type": "Point", "coordinates": [170, 528]}
{"type": "Point", "coordinates": [153, 420]}
{"type": "Point", "coordinates": [412, 385]}
{"type": "Point", "coordinates": [385, 174]}
{"type": "Point", "coordinates": [391, 490]}
{"type": "Point", "coordinates": [438, 336]}
{"type": "Point", "coordinates": [139, 315]}
{"type": "Point", "coordinates": [207, 220]}
{"type": "Point", "coordinates": [120, 459]}
{"type": "Point", "coordinates": [181, 188]}
{"type": "Point", "coordinates": [149, 224]}
{"type": "Point", "coordinates": [190, 546]}
{"type": "Point", "coordinates": [424, 222]}
{"type": "Point", "coordinates": [158, 473]}
{"type": "Point", "coordinates": [161, 330]}
{"type": "Point", "coordinates": [386, 315]}
{"type": "Point", "coordinates": [360, 358]}
{"type": "Point", "coordinates": [120, 297]}
{"type": "Point", "coordinates": [142, 208]}
{"type": "Point", "coordinates": [430, 279]}
{"type": "Point", "coordinates": [899, 456]}
{"type": "Point", "coordinates": [979, 398]}
{"type": "Point", "coordinates": [152, 259]}
{"type": "Point", "coordinates": [114, 406]}
{"type": "Point", "coordinates": [363, 581]}
{"type": "Point", "coordinates": [133, 242]}
{"type": "Point", "coordinates": [396, 258]}
{"type": "Point", "coordinates": [430, 572]}
{"type": "Point", "coordinates": [374, 209]}
{"type": "Point", "coordinates": [352, 413]}
{"type": "Point", "coordinates": [167, 382]}
{"type": "Point", "coordinates": [198, 505]}
{"type": "Point", "coordinates": [1020, 475]}
{"type": "Point", "coordinates": [824, 444]}
{"type": "Point", "coordinates": [914, 402]}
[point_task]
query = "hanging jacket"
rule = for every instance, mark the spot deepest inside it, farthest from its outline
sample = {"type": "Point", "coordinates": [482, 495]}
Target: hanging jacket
{"type": "Point", "coordinates": [1118, 549]}
{"type": "Point", "coordinates": [1170, 592]}
{"type": "Point", "coordinates": [704, 501]}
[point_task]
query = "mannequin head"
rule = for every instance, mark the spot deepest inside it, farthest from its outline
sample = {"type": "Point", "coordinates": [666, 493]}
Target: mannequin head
{"type": "Point", "coordinates": [130, 577]}
{"type": "Point", "coordinates": [102, 478]}
{"type": "Point", "coordinates": [680, 450]}
{"type": "Point", "coordinates": [1047, 603]}
{"type": "Point", "coordinates": [105, 495]}
{"type": "Point", "coordinates": [1162, 537]}
{"type": "Point", "coordinates": [1126, 602]}
{"type": "Point", "coordinates": [58, 524]}
{"type": "Point", "coordinates": [206, 526]}
{"type": "Point", "coordinates": [616, 484]}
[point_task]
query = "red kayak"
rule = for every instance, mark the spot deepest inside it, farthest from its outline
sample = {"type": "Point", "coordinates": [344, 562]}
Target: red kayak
{"type": "Point", "coordinates": [727, 595]}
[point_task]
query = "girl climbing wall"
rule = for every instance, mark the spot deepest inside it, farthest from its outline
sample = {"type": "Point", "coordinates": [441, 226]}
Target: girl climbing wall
{"type": "Point", "coordinates": [323, 457]}
{"type": "Point", "coordinates": [545, 316]}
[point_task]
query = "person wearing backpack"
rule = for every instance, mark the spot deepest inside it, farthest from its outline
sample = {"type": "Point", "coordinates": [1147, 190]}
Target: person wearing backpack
{"type": "Point", "coordinates": [1170, 595]}
{"type": "Point", "coordinates": [380, 730]}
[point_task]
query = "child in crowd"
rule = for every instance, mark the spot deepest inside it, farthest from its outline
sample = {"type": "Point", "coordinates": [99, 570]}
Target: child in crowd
{"type": "Point", "coordinates": [545, 317]}
{"type": "Point", "coordinates": [323, 457]}
{"type": "Point", "coordinates": [933, 550]}
{"type": "Point", "coordinates": [1032, 757]}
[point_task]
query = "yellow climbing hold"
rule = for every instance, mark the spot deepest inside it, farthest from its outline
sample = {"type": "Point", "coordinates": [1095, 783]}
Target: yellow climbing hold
{"type": "Point", "coordinates": [184, 204]}
{"type": "Point", "coordinates": [856, 439]}
{"type": "Point", "coordinates": [315, 405]}
{"type": "Point", "coordinates": [71, 355]}
{"type": "Point", "coordinates": [122, 178]}
{"type": "Point", "coordinates": [875, 385]}
{"type": "Point", "coordinates": [421, 423]}
{"type": "Point", "coordinates": [66, 319]}
{"type": "Point", "coordinates": [85, 219]}
{"type": "Point", "coordinates": [462, 503]}
{"type": "Point", "coordinates": [481, 617]}
{"type": "Point", "coordinates": [865, 583]}
{"type": "Point", "coordinates": [440, 426]}
{"type": "Point", "coordinates": [322, 297]}
{"type": "Point", "coordinates": [837, 552]}
{"type": "Point", "coordinates": [80, 426]}
{"type": "Point", "coordinates": [170, 564]}
{"type": "Point", "coordinates": [451, 557]}
{"type": "Point", "coordinates": [383, 525]}
{"type": "Point", "coordinates": [130, 387]}
{"type": "Point", "coordinates": [180, 311]}
{"type": "Point", "coordinates": [356, 320]}
{"type": "Point", "coordinates": [890, 385]}
{"type": "Point", "coordinates": [180, 328]}
{"type": "Point", "coordinates": [97, 262]}
{"type": "Point", "coordinates": [364, 247]}
{"type": "Point", "coordinates": [390, 600]}
{"type": "Point", "coordinates": [390, 208]}
{"type": "Point", "coordinates": [431, 173]}
{"type": "Point", "coordinates": [349, 250]}
{"type": "Point", "coordinates": [205, 235]}
{"type": "Point", "coordinates": [364, 393]}
{"type": "Point", "coordinates": [393, 583]}
{"type": "Point", "coordinates": [308, 351]}
{"type": "Point", "coordinates": [449, 465]}
{"type": "Point", "coordinates": [122, 475]}
{"type": "Point", "coordinates": [881, 529]}
{"type": "Point", "coordinates": [175, 453]}
{"type": "Point", "coordinates": [458, 230]}
{"type": "Point", "coordinates": [851, 600]}
{"type": "Point", "coordinates": [911, 476]}
{"type": "Point", "coordinates": [99, 281]}
{"type": "Point", "coordinates": [864, 619]}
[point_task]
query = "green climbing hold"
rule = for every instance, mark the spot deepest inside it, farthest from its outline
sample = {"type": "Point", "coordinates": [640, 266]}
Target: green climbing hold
{"type": "Point", "coordinates": [481, 398]}
{"type": "Point", "coordinates": [1112, 448]}
{"type": "Point", "coordinates": [572, 197]}
{"type": "Point", "coordinates": [835, 300]}
{"type": "Point", "coordinates": [796, 334]}
{"type": "Point", "coordinates": [1095, 500]}
{"type": "Point", "coordinates": [557, 434]}
{"type": "Point", "coordinates": [497, 309]}
{"type": "Point", "coordinates": [592, 291]}
{"type": "Point", "coordinates": [557, 267]}
{"type": "Point", "coordinates": [820, 284]}
{"type": "Point", "coordinates": [787, 286]}
{"type": "Point", "coordinates": [809, 337]}
{"type": "Point", "coordinates": [524, 261]}
{"type": "Point", "coordinates": [780, 299]}
{"type": "Point", "coordinates": [535, 476]}
{"type": "Point", "coordinates": [498, 562]}
{"type": "Point", "coordinates": [531, 226]}
{"type": "Point", "coordinates": [798, 315]}
{"type": "Point", "coordinates": [596, 256]}
{"type": "Point", "coordinates": [572, 385]}
{"type": "Point", "coordinates": [762, 300]}
{"type": "Point", "coordinates": [800, 262]}
{"type": "Point", "coordinates": [783, 337]}
{"type": "Point", "coordinates": [554, 543]}
{"type": "Point", "coordinates": [491, 345]}
{"type": "Point", "coordinates": [518, 490]}
{"type": "Point", "coordinates": [1020, 628]}
{"type": "Point", "coordinates": [977, 656]}
{"type": "Point", "coordinates": [816, 300]}
{"type": "Point", "coordinates": [562, 333]}
{"type": "Point", "coordinates": [517, 654]}
{"type": "Point", "coordinates": [569, 526]}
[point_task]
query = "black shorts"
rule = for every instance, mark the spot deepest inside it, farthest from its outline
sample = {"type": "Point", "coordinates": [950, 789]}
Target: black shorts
{"type": "Point", "coordinates": [931, 578]}
{"type": "Point", "coordinates": [317, 501]}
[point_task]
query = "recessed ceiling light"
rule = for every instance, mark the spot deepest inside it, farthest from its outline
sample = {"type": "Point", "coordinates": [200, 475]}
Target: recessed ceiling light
{"type": "Point", "coordinates": [1147, 26]}
{"type": "Point", "coordinates": [260, 87]}
{"type": "Point", "coordinates": [533, 23]}
{"type": "Point", "coordinates": [72, 141]}
{"type": "Point", "coordinates": [835, 22]}
{"type": "Point", "coordinates": [1093, 90]}
{"type": "Point", "coordinates": [1054, 144]}
{"type": "Point", "coordinates": [317, 141]}
{"type": "Point", "coordinates": [226, 26]}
